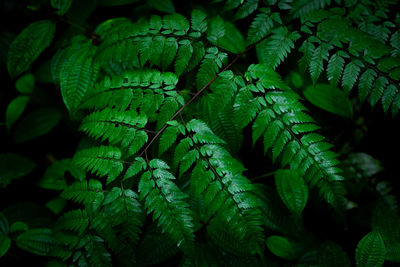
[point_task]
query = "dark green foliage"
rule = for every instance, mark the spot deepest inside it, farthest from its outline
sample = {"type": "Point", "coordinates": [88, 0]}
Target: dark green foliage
{"type": "Point", "coordinates": [205, 132]}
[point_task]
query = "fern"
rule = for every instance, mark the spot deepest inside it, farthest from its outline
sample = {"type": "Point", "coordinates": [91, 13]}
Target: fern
{"type": "Point", "coordinates": [159, 192]}
{"type": "Point", "coordinates": [289, 131]}
{"type": "Point", "coordinates": [183, 112]}
{"type": "Point", "coordinates": [357, 70]}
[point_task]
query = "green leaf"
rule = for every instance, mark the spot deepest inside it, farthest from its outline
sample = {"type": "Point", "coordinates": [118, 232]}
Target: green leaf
{"type": "Point", "coordinates": [185, 52]}
{"type": "Point", "coordinates": [274, 50]}
{"type": "Point", "coordinates": [317, 61]}
{"type": "Point", "coordinates": [5, 243]}
{"type": "Point", "coordinates": [167, 202]}
{"type": "Point", "coordinates": [103, 160]}
{"type": "Point", "coordinates": [37, 241]}
{"type": "Point", "coordinates": [233, 40]}
{"type": "Point", "coordinates": [199, 22]}
{"type": "Point", "coordinates": [378, 89]}
{"type": "Point", "coordinates": [350, 75]}
{"type": "Point", "coordinates": [25, 83]}
{"type": "Point", "coordinates": [246, 9]}
{"type": "Point", "coordinates": [77, 75]}
{"type": "Point", "coordinates": [19, 227]}
{"type": "Point", "coordinates": [261, 26]}
{"type": "Point", "coordinates": [162, 5]}
{"type": "Point", "coordinates": [292, 190]}
{"type": "Point", "coordinates": [329, 98]}
{"type": "Point", "coordinates": [13, 166]}
{"type": "Point", "coordinates": [281, 247]}
{"type": "Point", "coordinates": [335, 68]}
{"type": "Point", "coordinates": [15, 110]}
{"type": "Point", "coordinates": [37, 123]}
{"type": "Point", "coordinates": [62, 6]}
{"type": "Point", "coordinates": [370, 251]}
{"type": "Point", "coordinates": [28, 45]}
{"type": "Point", "coordinates": [365, 84]}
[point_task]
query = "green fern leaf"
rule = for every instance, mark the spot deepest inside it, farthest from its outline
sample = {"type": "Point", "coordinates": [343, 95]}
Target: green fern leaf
{"type": "Point", "coordinates": [103, 160]}
{"type": "Point", "coordinates": [261, 25]}
{"type": "Point", "coordinates": [275, 49]}
{"type": "Point", "coordinates": [198, 21]}
{"type": "Point", "coordinates": [335, 68]}
{"type": "Point", "coordinates": [75, 220]}
{"type": "Point", "coordinates": [284, 120]}
{"type": "Point", "coordinates": [84, 192]}
{"type": "Point", "coordinates": [350, 75]}
{"type": "Point", "coordinates": [246, 9]}
{"type": "Point", "coordinates": [378, 89]}
{"type": "Point", "coordinates": [365, 84]}
{"type": "Point", "coordinates": [185, 52]}
{"type": "Point", "coordinates": [125, 212]}
{"type": "Point", "coordinates": [209, 67]}
{"type": "Point", "coordinates": [217, 176]}
{"type": "Point", "coordinates": [166, 201]}
{"type": "Point", "coordinates": [116, 126]}
{"type": "Point", "coordinates": [307, 48]}
{"type": "Point", "coordinates": [28, 45]}
{"type": "Point", "coordinates": [169, 52]}
{"type": "Point", "coordinates": [316, 65]}
{"type": "Point", "coordinates": [388, 96]}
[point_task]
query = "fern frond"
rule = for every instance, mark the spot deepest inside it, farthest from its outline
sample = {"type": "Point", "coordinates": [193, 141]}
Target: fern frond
{"type": "Point", "coordinates": [262, 25]}
{"type": "Point", "coordinates": [117, 126]}
{"type": "Point", "coordinates": [350, 75]}
{"type": "Point", "coordinates": [167, 202]}
{"type": "Point", "coordinates": [74, 220]}
{"type": "Point", "coordinates": [332, 33]}
{"type": "Point", "coordinates": [316, 65]}
{"type": "Point", "coordinates": [84, 192]}
{"type": "Point", "coordinates": [276, 48]}
{"type": "Point", "coordinates": [217, 177]}
{"type": "Point", "coordinates": [212, 62]}
{"type": "Point", "coordinates": [247, 8]}
{"type": "Point", "coordinates": [138, 89]}
{"type": "Point", "coordinates": [335, 68]}
{"type": "Point", "coordinates": [124, 211]}
{"type": "Point", "coordinates": [304, 7]}
{"type": "Point", "coordinates": [289, 131]}
{"type": "Point", "coordinates": [158, 41]}
{"type": "Point", "coordinates": [103, 160]}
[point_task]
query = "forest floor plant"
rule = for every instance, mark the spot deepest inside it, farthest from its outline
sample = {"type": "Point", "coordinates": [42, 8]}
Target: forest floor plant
{"type": "Point", "coordinates": [208, 133]}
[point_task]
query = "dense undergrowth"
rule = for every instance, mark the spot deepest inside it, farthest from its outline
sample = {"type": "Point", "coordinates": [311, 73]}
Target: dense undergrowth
{"type": "Point", "coordinates": [204, 133]}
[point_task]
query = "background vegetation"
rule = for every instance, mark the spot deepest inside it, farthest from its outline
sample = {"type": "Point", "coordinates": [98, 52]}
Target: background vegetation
{"type": "Point", "coordinates": [199, 133]}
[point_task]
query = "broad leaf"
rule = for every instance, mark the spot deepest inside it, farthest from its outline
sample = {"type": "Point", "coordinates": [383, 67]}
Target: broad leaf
{"type": "Point", "coordinates": [28, 45]}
